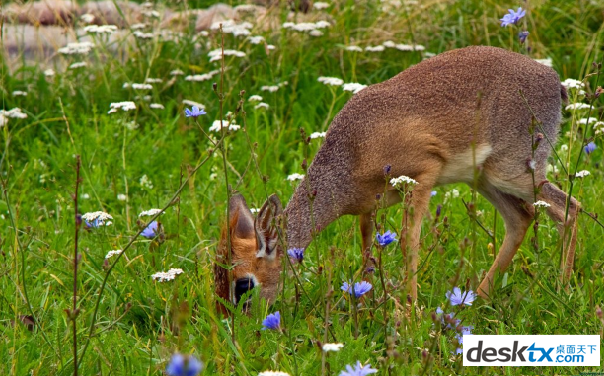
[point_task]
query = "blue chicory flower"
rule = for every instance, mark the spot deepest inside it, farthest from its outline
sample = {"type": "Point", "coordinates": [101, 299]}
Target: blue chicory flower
{"type": "Point", "coordinates": [296, 254]}
{"type": "Point", "coordinates": [358, 370]}
{"type": "Point", "coordinates": [433, 193]}
{"type": "Point", "coordinates": [465, 330]}
{"type": "Point", "coordinates": [179, 367]}
{"type": "Point", "coordinates": [359, 288]}
{"type": "Point", "coordinates": [522, 36]}
{"type": "Point", "coordinates": [151, 230]}
{"type": "Point", "coordinates": [512, 17]}
{"type": "Point", "coordinates": [272, 321]}
{"type": "Point", "coordinates": [194, 112]}
{"type": "Point", "coordinates": [457, 298]}
{"type": "Point", "coordinates": [385, 239]}
{"type": "Point", "coordinates": [589, 148]}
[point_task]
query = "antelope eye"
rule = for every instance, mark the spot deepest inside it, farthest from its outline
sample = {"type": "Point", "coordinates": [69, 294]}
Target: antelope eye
{"type": "Point", "coordinates": [242, 286]}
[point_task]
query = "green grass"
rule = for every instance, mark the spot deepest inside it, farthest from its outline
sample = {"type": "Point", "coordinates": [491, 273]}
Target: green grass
{"type": "Point", "coordinates": [140, 323]}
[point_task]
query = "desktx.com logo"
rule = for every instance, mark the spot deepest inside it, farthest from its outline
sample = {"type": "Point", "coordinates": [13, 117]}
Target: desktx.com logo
{"type": "Point", "coordinates": [512, 350]}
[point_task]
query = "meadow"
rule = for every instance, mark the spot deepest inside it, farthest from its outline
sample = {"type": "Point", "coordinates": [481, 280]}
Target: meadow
{"type": "Point", "coordinates": [103, 127]}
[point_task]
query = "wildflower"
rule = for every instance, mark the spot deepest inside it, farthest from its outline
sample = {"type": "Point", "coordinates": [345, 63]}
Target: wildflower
{"type": "Point", "coordinates": [512, 17]}
{"type": "Point", "coordinates": [194, 112]}
{"type": "Point", "coordinates": [453, 193]}
{"type": "Point", "coordinates": [179, 366]}
{"type": "Point", "coordinates": [97, 219]}
{"type": "Point", "coordinates": [403, 180]}
{"type": "Point", "coordinates": [49, 72]}
{"type": "Point", "coordinates": [138, 26]}
{"type": "Point", "coordinates": [541, 204]}
{"type": "Point", "coordinates": [217, 125]}
{"type": "Point", "coordinates": [333, 81]}
{"type": "Point", "coordinates": [124, 106]}
{"type": "Point", "coordinates": [294, 177]}
{"type": "Point", "coordinates": [167, 276]}
{"type": "Point", "coordinates": [19, 93]}
{"type": "Point", "coordinates": [273, 373]}
{"type": "Point", "coordinates": [408, 47]}
{"type": "Point", "coordinates": [433, 193]}
{"type": "Point", "coordinates": [255, 98]}
{"type": "Point", "coordinates": [145, 182]}
{"type": "Point", "coordinates": [157, 106]}
{"type": "Point", "coordinates": [257, 39]}
{"type": "Point", "coordinates": [589, 148]}
{"type": "Point", "coordinates": [354, 87]}
{"type": "Point", "coordinates": [353, 48]}
{"type": "Point", "coordinates": [318, 135]}
{"type": "Point", "coordinates": [216, 54]}
{"type": "Point", "coordinates": [3, 120]}
{"type": "Point", "coordinates": [81, 64]}
{"type": "Point", "coordinates": [359, 289]}
{"type": "Point", "coordinates": [149, 213]}
{"type": "Point", "coordinates": [272, 321]}
{"type": "Point", "coordinates": [457, 298]}
{"type": "Point", "coordinates": [151, 230]}
{"type": "Point", "coordinates": [385, 239]}
{"type": "Point", "coordinates": [522, 36]}
{"type": "Point", "coordinates": [358, 370]}
{"type": "Point", "coordinates": [177, 72]}
{"type": "Point", "coordinates": [202, 77]}
{"type": "Point", "coordinates": [230, 27]}
{"type": "Point", "coordinates": [379, 48]}
{"type": "Point", "coordinates": [296, 254]}
{"type": "Point", "coordinates": [582, 174]}
{"type": "Point", "coordinates": [103, 29]}
{"type": "Point", "coordinates": [585, 121]}
{"type": "Point", "coordinates": [547, 62]}
{"type": "Point", "coordinates": [87, 18]}
{"type": "Point", "coordinates": [332, 347]}
{"type": "Point", "coordinates": [571, 83]}
{"type": "Point", "coordinates": [81, 48]}
{"type": "Point", "coordinates": [577, 106]}
{"type": "Point", "coordinates": [270, 89]}
{"type": "Point", "coordinates": [319, 5]}
{"type": "Point", "coordinates": [15, 113]}
{"type": "Point", "coordinates": [389, 44]}
{"type": "Point", "coordinates": [261, 105]}
{"type": "Point", "coordinates": [110, 254]}
{"type": "Point", "coordinates": [141, 35]}
{"type": "Point", "coordinates": [121, 197]}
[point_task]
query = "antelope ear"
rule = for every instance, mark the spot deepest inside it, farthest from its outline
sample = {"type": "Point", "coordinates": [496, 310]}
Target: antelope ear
{"type": "Point", "coordinates": [241, 218]}
{"type": "Point", "coordinates": [267, 234]}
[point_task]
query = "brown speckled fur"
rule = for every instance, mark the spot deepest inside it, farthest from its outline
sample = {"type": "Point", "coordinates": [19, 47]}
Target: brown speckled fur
{"type": "Point", "coordinates": [458, 109]}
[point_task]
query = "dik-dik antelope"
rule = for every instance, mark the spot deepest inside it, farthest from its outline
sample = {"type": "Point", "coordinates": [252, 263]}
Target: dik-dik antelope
{"type": "Point", "coordinates": [441, 121]}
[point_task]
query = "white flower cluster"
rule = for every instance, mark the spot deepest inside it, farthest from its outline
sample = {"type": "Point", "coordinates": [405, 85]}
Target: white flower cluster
{"type": "Point", "coordinates": [135, 86]}
{"type": "Point", "coordinates": [571, 83]}
{"type": "Point", "coordinates": [599, 127]}
{"type": "Point", "coordinates": [202, 77]}
{"type": "Point", "coordinates": [143, 35]}
{"type": "Point", "coordinates": [101, 218]}
{"type": "Point", "coordinates": [333, 81]}
{"type": "Point", "coordinates": [81, 48]}
{"type": "Point", "coordinates": [81, 64]}
{"type": "Point", "coordinates": [453, 193]}
{"type": "Point", "coordinates": [145, 182]}
{"type": "Point", "coordinates": [110, 254]}
{"type": "Point", "coordinates": [150, 80]}
{"type": "Point", "coordinates": [353, 48]}
{"type": "Point", "coordinates": [124, 106]}
{"type": "Point", "coordinates": [177, 72]}
{"type": "Point", "coordinates": [217, 125]}
{"type": "Point", "coordinates": [216, 54]}
{"type": "Point", "coordinates": [332, 347]}
{"type": "Point", "coordinates": [379, 48]}
{"type": "Point", "coordinates": [354, 87]}
{"type": "Point", "coordinates": [167, 276]}
{"type": "Point", "coordinates": [386, 44]}
{"type": "Point", "coordinates": [19, 93]}
{"type": "Point", "coordinates": [273, 88]}
{"type": "Point", "coordinates": [313, 28]}
{"type": "Point", "coordinates": [273, 373]}
{"type": "Point", "coordinates": [87, 18]}
{"type": "Point", "coordinates": [541, 204]}
{"type": "Point", "coordinates": [256, 39]}
{"type": "Point", "coordinates": [261, 105]}
{"type": "Point", "coordinates": [49, 72]}
{"type": "Point", "coordinates": [149, 213]}
{"type": "Point", "coordinates": [320, 5]}
{"type": "Point", "coordinates": [157, 106]}
{"type": "Point", "coordinates": [582, 174]}
{"type": "Point", "coordinates": [317, 135]}
{"type": "Point", "coordinates": [547, 62]}
{"type": "Point", "coordinates": [231, 27]}
{"type": "Point", "coordinates": [14, 113]}
{"type": "Point", "coordinates": [577, 106]}
{"type": "Point", "coordinates": [255, 98]}
{"type": "Point", "coordinates": [294, 177]}
{"type": "Point", "coordinates": [587, 120]}
{"type": "Point", "coordinates": [103, 29]}
{"type": "Point", "coordinates": [403, 181]}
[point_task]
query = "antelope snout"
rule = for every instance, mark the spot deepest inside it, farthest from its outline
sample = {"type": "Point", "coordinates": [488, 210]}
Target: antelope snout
{"type": "Point", "coordinates": [242, 286]}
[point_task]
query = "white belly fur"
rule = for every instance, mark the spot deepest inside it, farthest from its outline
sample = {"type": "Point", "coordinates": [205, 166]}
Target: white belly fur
{"type": "Point", "coordinates": [460, 167]}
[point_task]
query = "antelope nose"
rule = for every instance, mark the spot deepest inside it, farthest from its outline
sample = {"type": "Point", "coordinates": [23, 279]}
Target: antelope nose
{"type": "Point", "coordinates": [242, 285]}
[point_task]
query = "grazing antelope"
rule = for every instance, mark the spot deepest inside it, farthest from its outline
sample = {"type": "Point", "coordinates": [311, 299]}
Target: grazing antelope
{"type": "Point", "coordinates": [438, 122]}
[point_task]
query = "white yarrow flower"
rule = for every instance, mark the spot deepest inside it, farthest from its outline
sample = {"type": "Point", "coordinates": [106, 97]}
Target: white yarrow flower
{"type": "Point", "coordinates": [256, 39]}
{"type": "Point", "coordinates": [354, 87]}
{"type": "Point", "coordinates": [121, 197]}
{"type": "Point", "coordinates": [19, 93]}
{"type": "Point", "coordinates": [255, 98]}
{"type": "Point", "coordinates": [261, 105]}
{"type": "Point", "coordinates": [379, 48]}
{"type": "Point", "coordinates": [157, 106]}
{"type": "Point", "coordinates": [332, 347]}
{"type": "Point", "coordinates": [273, 373]}
{"type": "Point", "coordinates": [115, 252]}
{"type": "Point", "coordinates": [217, 125]}
{"type": "Point", "coordinates": [124, 106]}
{"type": "Point", "coordinates": [547, 62]}
{"type": "Point", "coordinates": [587, 120]}
{"type": "Point", "coordinates": [353, 48]}
{"type": "Point", "coordinates": [87, 18]}
{"type": "Point", "coordinates": [81, 48]}
{"type": "Point", "coordinates": [320, 5]}
{"type": "Point", "coordinates": [270, 89]}
{"type": "Point", "coordinates": [49, 72]}
{"type": "Point", "coordinates": [202, 77]}
{"type": "Point", "coordinates": [294, 177]}
{"type": "Point", "coordinates": [97, 218]}
{"type": "Point", "coordinates": [318, 135]}
{"type": "Point", "coordinates": [3, 120]}
{"type": "Point", "coordinates": [582, 174]}
{"type": "Point", "coordinates": [541, 204]}
{"type": "Point", "coordinates": [333, 81]}
{"type": "Point", "coordinates": [14, 113]}
{"type": "Point", "coordinates": [81, 64]}
{"type": "Point", "coordinates": [216, 54]}
{"type": "Point", "coordinates": [102, 29]}
{"type": "Point", "coordinates": [149, 213]}
{"type": "Point", "coordinates": [145, 182]}
{"type": "Point", "coordinates": [403, 180]}
{"type": "Point", "coordinates": [177, 72]}
{"type": "Point", "coordinates": [571, 83]}
{"type": "Point", "coordinates": [577, 106]}
{"type": "Point", "coordinates": [167, 276]}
